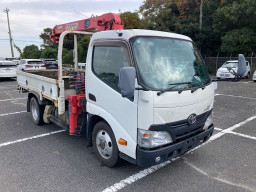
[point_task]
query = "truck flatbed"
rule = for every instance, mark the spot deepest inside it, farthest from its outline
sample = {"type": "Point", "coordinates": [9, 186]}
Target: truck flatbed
{"type": "Point", "coordinates": [44, 82]}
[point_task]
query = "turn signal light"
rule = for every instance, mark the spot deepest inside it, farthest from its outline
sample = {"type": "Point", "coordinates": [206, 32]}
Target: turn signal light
{"type": "Point", "coordinates": [146, 135]}
{"type": "Point", "coordinates": [122, 142]}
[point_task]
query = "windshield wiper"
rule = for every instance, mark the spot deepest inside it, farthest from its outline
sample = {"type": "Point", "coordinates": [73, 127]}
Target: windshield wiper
{"type": "Point", "coordinates": [175, 85]}
{"type": "Point", "coordinates": [202, 86]}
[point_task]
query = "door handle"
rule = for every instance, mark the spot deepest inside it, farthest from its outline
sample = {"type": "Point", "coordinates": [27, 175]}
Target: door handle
{"type": "Point", "coordinates": [92, 97]}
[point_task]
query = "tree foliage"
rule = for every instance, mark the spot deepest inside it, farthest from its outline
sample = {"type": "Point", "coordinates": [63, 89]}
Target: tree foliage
{"type": "Point", "coordinates": [45, 36]}
{"type": "Point", "coordinates": [49, 52]}
{"type": "Point", "coordinates": [131, 20]}
{"type": "Point", "coordinates": [31, 52]}
{"type": "Point", "coordinates": [235, 22]}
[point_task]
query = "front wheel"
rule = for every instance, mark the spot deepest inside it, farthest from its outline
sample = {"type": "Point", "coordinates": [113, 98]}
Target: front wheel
{"type": "Point", "coordinates": [104, 144]}
{"type": "Point", "coordinates": [37, 111]}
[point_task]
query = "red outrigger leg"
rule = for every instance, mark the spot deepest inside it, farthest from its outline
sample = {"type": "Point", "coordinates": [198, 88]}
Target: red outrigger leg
{"type": "Point", "coordinates": [76, 106]}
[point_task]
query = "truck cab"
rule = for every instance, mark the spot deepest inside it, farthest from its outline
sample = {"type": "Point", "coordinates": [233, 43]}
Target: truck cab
{"type": "Point", "coordinates": [168, 108]}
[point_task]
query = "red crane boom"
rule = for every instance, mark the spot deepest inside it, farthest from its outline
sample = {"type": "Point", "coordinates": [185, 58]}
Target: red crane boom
{"type": "Point", "coordinates": [108, 21]}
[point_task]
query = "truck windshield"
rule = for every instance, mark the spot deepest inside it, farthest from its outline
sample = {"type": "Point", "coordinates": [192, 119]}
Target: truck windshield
{"type": "Point", "coordinates": [162, 62]}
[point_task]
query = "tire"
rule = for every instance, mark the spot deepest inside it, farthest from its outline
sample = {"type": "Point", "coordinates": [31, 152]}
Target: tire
{"type": "Point", "coordinates": [37, 111]}
{"type": "Point", "coordinates": [254, 81]}
{"type": "Point", "coordinates": [107, 155]}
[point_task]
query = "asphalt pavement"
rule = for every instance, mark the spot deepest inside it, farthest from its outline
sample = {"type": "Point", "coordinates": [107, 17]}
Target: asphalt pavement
{"type": "Point", "coordinates": [44, 158]}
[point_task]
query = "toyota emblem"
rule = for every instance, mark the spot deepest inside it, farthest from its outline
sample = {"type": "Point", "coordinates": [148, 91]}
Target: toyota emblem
{"type": "Point", "coordinates": [192, 119]}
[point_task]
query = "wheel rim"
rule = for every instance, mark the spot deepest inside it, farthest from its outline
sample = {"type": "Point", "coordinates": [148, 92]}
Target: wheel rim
{"type": "Point", "coordinates": [34, 111]}
{"type": "Point", "coordinates": [104, 144]}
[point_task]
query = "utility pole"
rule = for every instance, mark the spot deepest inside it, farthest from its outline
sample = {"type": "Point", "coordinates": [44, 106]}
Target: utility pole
{"type": "Point", "coordinates": [201, 15]}
{"type": "Point", "coordinates": [6, 10]}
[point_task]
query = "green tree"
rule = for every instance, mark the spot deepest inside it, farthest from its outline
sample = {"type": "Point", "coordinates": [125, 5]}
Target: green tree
{"type": "Point", "coordinates": [49, 52]}
{"type": "Point", "coordinates": [45, 36]}
{"type": "Point", "coordinates": [67, 56]}
{"type": "Point", "coordinates": [235, 22]}
{"type": "Point", "coordinates": [49, 49]}
{"type": "Point", "coordinates": [131, 20]}
{"type": "Point", "coordinates": [83, 44]}
{"type": "Point", "coordinates": [30, 52]}
{"type": "Point", "coordinates": [239, 41]}
{"type": "Point", "coordinates": [157, 14]}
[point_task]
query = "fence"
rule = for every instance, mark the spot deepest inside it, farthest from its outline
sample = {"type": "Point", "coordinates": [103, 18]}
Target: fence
{"type": "Point", "coordinates": [214, 63]}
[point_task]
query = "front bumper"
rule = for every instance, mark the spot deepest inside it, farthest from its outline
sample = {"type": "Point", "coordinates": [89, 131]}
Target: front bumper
{"type": "Point", "coordinates": [147, 158]}
{"type": "Point", "coordinates": [225, 75]}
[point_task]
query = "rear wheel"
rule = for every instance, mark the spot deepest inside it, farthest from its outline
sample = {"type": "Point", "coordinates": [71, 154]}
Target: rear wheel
{"type": "Point", "coordinates": [104, 144]}
{"type": "Point", "coordinates": [37, 111]}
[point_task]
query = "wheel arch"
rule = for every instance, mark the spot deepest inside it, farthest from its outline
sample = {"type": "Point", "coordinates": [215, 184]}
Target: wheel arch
{"type": "Point", "coordinates": [30, 95]}
{"type": "Point", "coordinates": [92, 121]}
{"type": "Point", "coordinates": [34, 94]}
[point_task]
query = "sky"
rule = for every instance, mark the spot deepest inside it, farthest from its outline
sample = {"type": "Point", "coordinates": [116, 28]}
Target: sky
{"type": "Point", "coordinates": [28, 18]}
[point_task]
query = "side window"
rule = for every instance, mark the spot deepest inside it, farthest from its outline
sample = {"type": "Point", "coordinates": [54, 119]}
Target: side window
{"type": "Point", "coordinates": [107, 62]}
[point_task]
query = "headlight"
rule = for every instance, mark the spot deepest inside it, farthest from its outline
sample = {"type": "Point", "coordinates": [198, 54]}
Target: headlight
{"type": "Point", "coordinates": [151, 139]}
{"type": "Point", "coordinates": [208, 122]}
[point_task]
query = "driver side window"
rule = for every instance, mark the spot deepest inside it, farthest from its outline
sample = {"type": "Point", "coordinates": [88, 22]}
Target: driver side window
{"type": "Point", "coordinates": [107, 62]}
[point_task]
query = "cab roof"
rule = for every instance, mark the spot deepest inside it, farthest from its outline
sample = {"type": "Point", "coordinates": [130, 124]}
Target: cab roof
{"type": "Point", "coordinates": [127, 34]}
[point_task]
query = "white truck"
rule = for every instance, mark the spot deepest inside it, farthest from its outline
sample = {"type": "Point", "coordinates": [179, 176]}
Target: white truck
{"type": "Point", "coordinates": [148, 96]}
{"type": "Point", "coordinates": [145, 96]}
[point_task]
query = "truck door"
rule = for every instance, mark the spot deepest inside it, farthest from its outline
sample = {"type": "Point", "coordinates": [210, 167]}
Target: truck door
{"type": "Point", "coordinates": [104, 96]}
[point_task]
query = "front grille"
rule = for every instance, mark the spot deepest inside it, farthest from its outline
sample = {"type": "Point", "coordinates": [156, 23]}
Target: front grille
{"type": "Point", "coordinates": [187, 134]}
{"type": "Point", "coordinates": [181, 130]}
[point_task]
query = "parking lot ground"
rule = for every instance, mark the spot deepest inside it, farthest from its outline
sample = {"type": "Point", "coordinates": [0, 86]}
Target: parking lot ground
{"type": "Point", "coordinates": [12, 106]}
{"type": "Point", "coordinates": [18, 126]}
{"type": "Point", "coordinates": [248, 129]}
{"type": "Point", "coordinates": [231, 108]}
{"type": "Point", "coordinates": [44, 158]}
{"type": "Point", "coordinates": [242, 88]}
{"type": "Point", "coordinates": [56, 163]}
{"type": "Point", "coordinates": [7, 84]}
{"type": "Point", "coordinates": [9, 95]}
{"type": "Point", "coordinates": [226, 164]}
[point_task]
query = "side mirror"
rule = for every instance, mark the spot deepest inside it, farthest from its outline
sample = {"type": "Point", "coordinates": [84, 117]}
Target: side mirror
{"type": "Point", "coordinates": [241, 68]}
{"type": "Point", "coordinates": [127, 77]}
